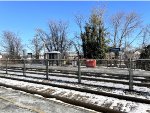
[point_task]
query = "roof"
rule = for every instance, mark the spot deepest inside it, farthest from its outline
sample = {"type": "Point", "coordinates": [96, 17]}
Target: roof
{"type": "Point", "coordinates": [54, 52]}
{"type": "Point", "coordinates": [137, 53]}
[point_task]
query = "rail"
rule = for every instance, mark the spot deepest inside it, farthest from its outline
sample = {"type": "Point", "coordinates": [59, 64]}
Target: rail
{"type": "Point", "coordinates": [79, 68]}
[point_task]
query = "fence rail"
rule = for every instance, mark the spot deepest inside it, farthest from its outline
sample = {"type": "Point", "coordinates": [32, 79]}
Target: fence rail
{"type": "Point", "coordinates": [128, 67]}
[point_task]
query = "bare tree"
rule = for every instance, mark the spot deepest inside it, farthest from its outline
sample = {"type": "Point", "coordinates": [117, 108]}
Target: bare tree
{"type": "Point", "coordinates": [37, 46]}
{"type": "Point", "coordinates": [145, 34]}
{"type": "Point", "coordinates": [79, 19]}
{"type": "Point", "coordinates": [11, 44]}
{"type": "Point", "coordinates": [116, 23]}
{"type": "Point", "coordinates": [56, 39]}
{"type": "Point", "coordinates": [122, 26]}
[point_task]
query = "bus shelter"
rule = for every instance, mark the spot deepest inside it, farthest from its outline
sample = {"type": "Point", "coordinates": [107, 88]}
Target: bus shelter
{"type": "Point", "coordinates": [53, 57]}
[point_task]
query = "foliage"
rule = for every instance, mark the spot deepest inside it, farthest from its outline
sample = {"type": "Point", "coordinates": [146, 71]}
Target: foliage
{"type": "Point", "coordinates": [94, 42]}
{"type": "Point", "coordinates": [145, 54]}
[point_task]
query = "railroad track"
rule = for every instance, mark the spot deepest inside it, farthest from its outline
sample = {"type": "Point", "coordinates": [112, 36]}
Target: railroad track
{"type": "Point", "coordinates": [98, 77]}
{"type": "Point", "coordinates": [96, 74]}
{"type": "Point", "coordinates": [109, 88]}
{"type": "Point", "coordinates": [145, 81]}
{"type": "Point", "coordinates": [82, 90]}
{"type": "Point", "coordinates": [79, 103]}
{"type": "Point", "coordinates": [75, 102]}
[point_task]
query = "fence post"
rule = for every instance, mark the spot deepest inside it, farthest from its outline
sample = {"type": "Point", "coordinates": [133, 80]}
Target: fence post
{"type": "Point", "coordinates": [47, 69]}
{"type": "Point", "coordinates": [120, 61]}
{"type": "Point", "coordinates": [107, 62]}
{"type": "Point", "coordinates": [134, 64]}
{"type": "Point", "coordinates": [79, 71]}
{"type": "Point", "coordinates": [6, 66]}
{"type": "Point", "coordinates": [24, 68]}
{"type": "Point", "coordinates": [130, 76]}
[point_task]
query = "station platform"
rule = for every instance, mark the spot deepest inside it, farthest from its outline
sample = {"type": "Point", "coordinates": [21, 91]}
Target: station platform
{"type": "Point", "coordinates": [13, 101]}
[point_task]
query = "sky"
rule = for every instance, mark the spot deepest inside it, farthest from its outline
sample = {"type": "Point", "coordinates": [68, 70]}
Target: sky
{"type": "Point", "coordinates": [24, 17]}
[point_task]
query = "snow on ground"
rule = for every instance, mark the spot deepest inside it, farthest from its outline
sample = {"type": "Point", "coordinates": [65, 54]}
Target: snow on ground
{"type": "Point", "coordinates": [14, 101]}
{"type": "Point", "coordinates": [113, 103]}
{"type": "Point", "coordinates": [115, 85]}
{"type": "Point", "coordinates": [73, 79]}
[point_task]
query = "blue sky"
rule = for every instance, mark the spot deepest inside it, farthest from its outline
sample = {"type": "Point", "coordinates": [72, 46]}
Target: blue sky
{"type": "Point", "coordinates": [24, 17]}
